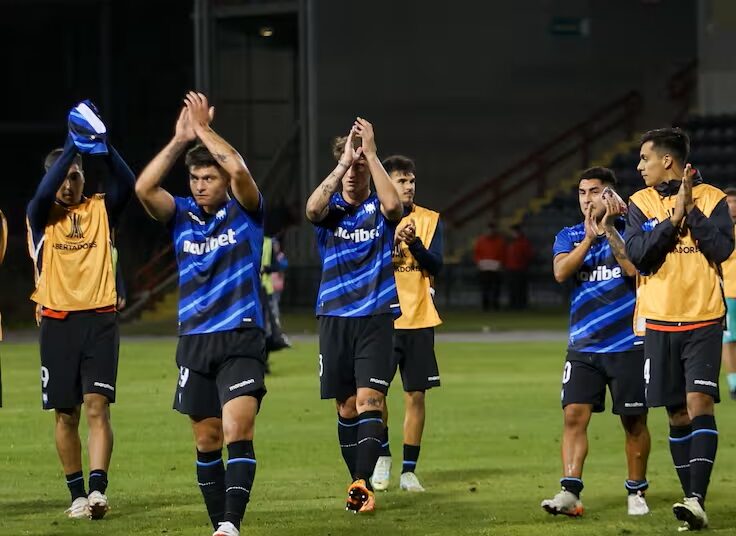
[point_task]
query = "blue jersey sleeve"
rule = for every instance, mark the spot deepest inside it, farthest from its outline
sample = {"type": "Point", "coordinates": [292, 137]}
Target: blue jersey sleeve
{"type": "Point", "coordinates": [563, 243]}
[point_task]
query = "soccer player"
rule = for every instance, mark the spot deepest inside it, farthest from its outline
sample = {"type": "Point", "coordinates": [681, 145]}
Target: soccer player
{"type": "Point", "coordinates": [602, 347]}
{"type": "Point", "coordinates": [357, 299]}
{"type": "Point", "coordinates": [70, 243]}
{"type": "Point", "coordinates": [218, 241]}
{"type": "Point", "coordinates": [417, 259]}
{"type": "Point", "coordinates": [678, 232]}
{"type": "Point", "coordinates": [729, 290]}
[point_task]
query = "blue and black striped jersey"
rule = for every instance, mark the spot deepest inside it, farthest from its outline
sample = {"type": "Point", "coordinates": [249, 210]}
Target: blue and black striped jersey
{"type": "Point", "coordinates": [603, 298]}
{"type": "Point", "coordinates": [355, 244]}
{"type": "Point", "coordinates": [219, 258]}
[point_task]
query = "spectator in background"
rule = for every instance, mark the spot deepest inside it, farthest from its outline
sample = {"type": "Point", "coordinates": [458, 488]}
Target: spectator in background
{"type": "Point", "coordinates": [488, 253]}
{"type": "Point", "coordinates": [519, 255]}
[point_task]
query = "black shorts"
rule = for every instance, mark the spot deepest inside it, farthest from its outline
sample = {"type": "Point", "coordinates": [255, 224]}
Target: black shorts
{"type": "Point", "coordinates": [79, 356]}
{"type": "Point", "coordinates": [354, 353]}
{"type": "Point", "coordinates": [681, 362]}
{"type": "Point", "coordinates": [586, 375]}
{"type": "Point", "coordinates": [215, 368]}
{"type": "Point", "coordinates": [415, 359]}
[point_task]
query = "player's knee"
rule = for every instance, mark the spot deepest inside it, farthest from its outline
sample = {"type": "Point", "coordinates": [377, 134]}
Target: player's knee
{"type": "Point", "coordinates": [347, 409]}
{"type": "Point", "coordinates": [634, 425]}
{"type": "Point", "coordinates": [208, 437]}
{"type": "Point", "coordinates": [415, 399]}
{"type": "Point", "coordinates": [237, 430]}
{"type": "Point", "coordinates": [369, 402]}
{"type": "Point", "coordinates": [68, 417]}
{"type": "Point", "coordinates": [700, 404]}
{"type": "Point", "coordinates": [576, 416]}
{"type": "Point", "coordinates": [97, 409]}
{"type": "Point", "coordinates": [678, 415]}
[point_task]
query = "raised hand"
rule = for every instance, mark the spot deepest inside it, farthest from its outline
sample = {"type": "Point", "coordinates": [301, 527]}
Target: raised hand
{"type": "Point", "coordinates": [183, 130]}
{"type": "Point", "coordinates": [591, 226]}
{"type": "Point", "coordinates": [200, 112]}
{"type": "Point", "coordinates": [408, 233]}
{"type": "Point", "coordinates": [350, 155]}
{"type": "Point", "coordinates": [686, 188]}
{"type": "Point", "coordinates": [365, 130]}
{"type": "Point", "coordinates": [684, 201]}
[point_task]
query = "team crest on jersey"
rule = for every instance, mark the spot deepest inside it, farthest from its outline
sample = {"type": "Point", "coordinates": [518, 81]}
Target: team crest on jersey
{"type": "Point", "coordinates": [221, 214]}
{"type": "Point", "coordinates": [371, 208]}
{"type": "Point", "coordinates": [76, 228]}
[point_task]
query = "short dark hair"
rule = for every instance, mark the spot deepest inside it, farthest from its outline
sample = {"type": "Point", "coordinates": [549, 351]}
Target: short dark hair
{"type": "Point", "coordinates": [200, 156]}
{"type": "Point", "coordinates": [400, 163]}
{"type": "Point", "coordinates": [338, 146]}
{"type": "Point", "coordinates": [54, 155]}
{"type": "Point", "coordinates": [603, 174]}
{"type": "Point", "coordinates": [730, 190]}
{"type": "Point", "coordinates": [671, 140]}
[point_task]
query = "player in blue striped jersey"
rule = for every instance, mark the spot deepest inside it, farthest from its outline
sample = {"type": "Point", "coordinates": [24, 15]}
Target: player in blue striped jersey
{"type": "Point", "coordinates": [602, 347]}
{"type": "Point", "coordinates": [357, 299]}
{"type": "Point", "coordinates": [218, 241]}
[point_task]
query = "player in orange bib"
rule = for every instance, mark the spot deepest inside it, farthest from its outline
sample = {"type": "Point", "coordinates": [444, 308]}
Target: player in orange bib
{"type": "Point", "coordinates": [417, 259]}
{"type": "Point", "coordinates": [70, 243]}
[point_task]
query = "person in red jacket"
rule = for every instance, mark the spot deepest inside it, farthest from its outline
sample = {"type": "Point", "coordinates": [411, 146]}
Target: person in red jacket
{"type": "Point", "coordinates": [488, 253]}
{"type": "Point", "coordinates": [519, 255]}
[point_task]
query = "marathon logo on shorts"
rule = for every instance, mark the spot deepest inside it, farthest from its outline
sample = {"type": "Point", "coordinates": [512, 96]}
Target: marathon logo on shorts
{"type": "Point", "coordinates": [211, 244]}
{"type": "Point", "coordinates": [601, 273]}
{"type": "Point", "coordinates": [634, 404]}
{"type": "Point", "coordinates": [104, 386]}
{"type": "Point", "coordinates": [359, 235]}
{"type": "Point", "coordinates": [433, 378]}
{"type": "Point", "coordinates": [241, 384]}
{"type": "Point", "coordinates": [379, 382]}
{"type": "Point", "coordinates": [705, 382]}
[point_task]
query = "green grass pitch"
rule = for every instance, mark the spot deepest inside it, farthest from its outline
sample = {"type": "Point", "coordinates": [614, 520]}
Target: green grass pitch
{"type": "Point", "coordinates": [490, 454]}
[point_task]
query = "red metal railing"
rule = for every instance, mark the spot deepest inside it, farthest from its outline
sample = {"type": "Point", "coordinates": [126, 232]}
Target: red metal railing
{"type": "Point", "coordinates": [534, 169]}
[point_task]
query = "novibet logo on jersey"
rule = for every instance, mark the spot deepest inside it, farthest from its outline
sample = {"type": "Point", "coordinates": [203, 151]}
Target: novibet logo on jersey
{"type": "Point", "coordinates": [359, 235]}
{"type": "Point", "coordinates": [211, 244]}
{"type": "Point", "coordinates": [601, 273]}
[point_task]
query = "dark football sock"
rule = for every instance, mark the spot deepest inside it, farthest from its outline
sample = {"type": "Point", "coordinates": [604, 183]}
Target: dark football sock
{"type": "Point", "coordinates": [347, 434]}
{"type": "Point", "coordinates": [239, 477]}
{"type": "Point", "coordinates": [370, 425]}
{"type": "Point", "coordinates": [573, 485]}
{"type": "Point", "coordinates": [75, 483]}
{"type": "Point", "coordinates": [680, 451]}
{"type": "Point", "coordinates": [211, 479]}
{"type": "Point", "coordinates": [635, 486]}
{"type": "Point", "coordinates": [411, 457]}
{"type": "Point", "coordinates": [385, 448]}
{"type": "Point", "coordinates": [98, 481]}
{"type": "Point", "coordinates": [703, 447]}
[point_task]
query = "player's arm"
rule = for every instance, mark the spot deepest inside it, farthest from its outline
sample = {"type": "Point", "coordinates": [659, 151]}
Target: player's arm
{"type": "Point", "coordinates": [43, 199]}
{"type": "Point", "coordinates": [318, 204]}
{"type": "Point", "coordinates": [118, 185]}
{"type": "Point", "coordinates": [647, 249]}
{"type": "Point", "coordinates": [242, 184]}
{"type": "Point", "coordinates": [3, 236]}
{"type": "Point", "coordinates": [429, 259]}
{"type": "Point", "coordinates": [569, 258]}
{"type": "Point", "coordinates": [158, 202]}
{"type": "Point", "coordinates": [714, 233]}
{"type": "Point", "coordinates": [388, 196]}
{"type": "Point", "coordinates": [618, 248]}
